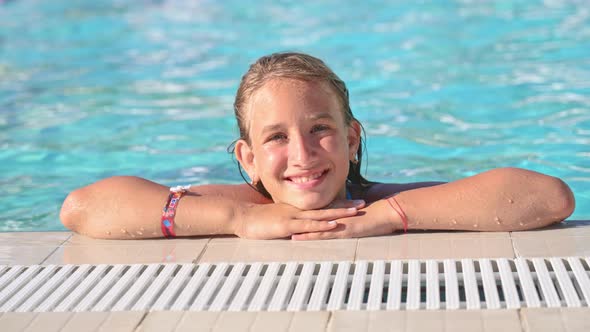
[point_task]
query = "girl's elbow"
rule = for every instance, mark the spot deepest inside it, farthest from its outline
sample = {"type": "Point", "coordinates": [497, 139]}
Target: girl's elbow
{"type": "Point", "coordinates": [563, 202]}
{"type": "Point", "coordinates": [71, 213]}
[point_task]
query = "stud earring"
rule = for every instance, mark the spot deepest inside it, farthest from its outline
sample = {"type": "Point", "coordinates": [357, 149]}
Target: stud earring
{"type": "Point", "coordinates": [354, 161]}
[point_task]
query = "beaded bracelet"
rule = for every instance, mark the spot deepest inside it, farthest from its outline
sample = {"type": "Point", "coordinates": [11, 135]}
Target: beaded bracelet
{"type": "Point", "coordinates": [169, 212]}
{"type": "Point", "coordinates": [399, 211]}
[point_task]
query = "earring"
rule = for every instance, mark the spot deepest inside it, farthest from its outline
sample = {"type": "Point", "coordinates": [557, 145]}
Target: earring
{"type": "Point", "coordinates": [354, 161]}
{"type": "Point", "coordinates": [254, 183]}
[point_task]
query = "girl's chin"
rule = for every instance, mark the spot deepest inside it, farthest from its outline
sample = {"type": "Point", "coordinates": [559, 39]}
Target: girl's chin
{"type": "Point", "coordinates": [313, 202]}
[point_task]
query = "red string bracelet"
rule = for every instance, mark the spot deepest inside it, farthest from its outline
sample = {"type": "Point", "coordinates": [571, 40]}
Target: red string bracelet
{"type": "Point", "coordinates": [400, 212]}
{"type": "Point", "coordinates": [169, 212]}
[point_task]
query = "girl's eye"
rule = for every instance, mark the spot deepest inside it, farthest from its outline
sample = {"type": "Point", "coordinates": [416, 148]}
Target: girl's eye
{"type": "Point", "coordinates": [317, 128]}
{"type": "Point", "coordinates": [277, 137]}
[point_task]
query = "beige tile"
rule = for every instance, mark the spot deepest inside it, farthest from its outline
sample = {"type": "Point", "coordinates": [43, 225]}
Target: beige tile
{"type": "Point", "coordinates": [235, 321]}
{"type": "Point", "coordinates": [438, 245]}
{"type": "Point", "coordinates": [77, 239]}
{"type": "Point", "coordinates": [232, 250]}
{"type": "Point", "coordinates": [309, 321]}
{"type": "Point", "coordinates": [194, 321]}
{"type": "Point", "coordinates": [122, 321]}
{"type": "Point", "coordinates": [49, 322]}
{"type": "Point", "coordinates": [531, 245]}
{"type": "Point", "coordinates": [567, 228]}
{"type": "Point", "coordinates": [160, 321]}
{"type": "Point", "coordinates": [556, 319]}
{"type": "Point", "coordinates": [16, 321]}
{"type": "Point", "coordinates": [571, 238]}
{"type": "Point", "coordinates": [34, 238]}
{"type": "Point", "coordinates": [25, 255]}
{"type": "Point", "coordinates": [85, 321]}
{"type": "Point", "coordinates": [426, 320]}
{"type": "Point", "coordinates": [159, 252]}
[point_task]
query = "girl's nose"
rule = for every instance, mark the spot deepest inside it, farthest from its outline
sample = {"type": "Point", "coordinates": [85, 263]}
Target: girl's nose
{"type": "Point", "coordinates": [301, 150]}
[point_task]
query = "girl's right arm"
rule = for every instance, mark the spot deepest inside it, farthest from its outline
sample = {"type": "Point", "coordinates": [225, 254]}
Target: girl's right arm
{"type": "Point", "coordinates": [126, 207]}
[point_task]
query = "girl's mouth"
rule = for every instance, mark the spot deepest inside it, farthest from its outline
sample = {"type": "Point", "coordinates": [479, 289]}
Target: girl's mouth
{"type": "Point", "coordinates": [308, 180]}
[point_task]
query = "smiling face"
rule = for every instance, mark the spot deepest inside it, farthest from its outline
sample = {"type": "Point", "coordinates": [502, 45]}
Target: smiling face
{"type": "Point", "coordinates": [300, 145]}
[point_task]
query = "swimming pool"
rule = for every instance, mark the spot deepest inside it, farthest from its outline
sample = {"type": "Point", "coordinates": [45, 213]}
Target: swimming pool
{"type": "Point", "coordinates": [444, 89]}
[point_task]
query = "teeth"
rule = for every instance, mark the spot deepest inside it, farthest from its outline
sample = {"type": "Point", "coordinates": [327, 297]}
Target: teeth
{"type": "Point", "coordinates": [303, 179]}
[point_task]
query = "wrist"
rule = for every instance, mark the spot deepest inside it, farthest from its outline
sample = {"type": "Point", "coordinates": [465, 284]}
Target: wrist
{"type": "Point", "coordinates": [396, 214]}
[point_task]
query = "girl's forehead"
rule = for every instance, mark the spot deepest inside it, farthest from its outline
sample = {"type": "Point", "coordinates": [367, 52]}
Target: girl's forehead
{"type": "Point", "coordinates": [285, 94]}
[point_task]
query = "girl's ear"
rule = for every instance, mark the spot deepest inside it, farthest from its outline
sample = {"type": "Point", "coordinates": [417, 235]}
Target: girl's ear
{"type": "Point", "coordinates": [245, 157]}
{"type": "Point", "coordinates": [354, 138]}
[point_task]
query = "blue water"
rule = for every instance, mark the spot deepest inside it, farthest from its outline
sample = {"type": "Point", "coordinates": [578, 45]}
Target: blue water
{"type": "Point", "coordinates": [445, 89]}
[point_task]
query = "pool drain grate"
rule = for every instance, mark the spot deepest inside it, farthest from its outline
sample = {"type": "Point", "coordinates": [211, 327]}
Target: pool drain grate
{"type": "Point", "coordinates": [292, 286]}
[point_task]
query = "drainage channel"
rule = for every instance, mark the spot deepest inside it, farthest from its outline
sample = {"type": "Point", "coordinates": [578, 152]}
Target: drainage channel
{"type": "Point", "coordinates": [292, 286]}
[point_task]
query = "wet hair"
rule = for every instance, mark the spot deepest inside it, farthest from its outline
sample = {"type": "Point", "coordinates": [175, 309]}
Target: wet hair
{"type": "Point", "coordinates": [295, 66]}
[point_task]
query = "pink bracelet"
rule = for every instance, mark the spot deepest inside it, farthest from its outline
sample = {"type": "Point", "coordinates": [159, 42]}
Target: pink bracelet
{"type": "Point", "coordinates": [169, 212]}
{"type": "Point", "coordinates": [400, 212]}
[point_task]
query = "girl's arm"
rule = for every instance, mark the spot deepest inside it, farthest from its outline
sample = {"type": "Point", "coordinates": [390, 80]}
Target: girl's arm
{"type": "Point", "coordinates": [504, 199]}
{"type": "Point", "coordinates": [126, 207]}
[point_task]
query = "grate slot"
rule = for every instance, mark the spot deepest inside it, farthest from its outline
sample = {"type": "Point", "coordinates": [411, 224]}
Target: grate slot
{"type": "Point", "coordinates": [248, 284]}
{"type": "Point", "coordinates": [211, 286]}
{"type": "Point", "coordinates": [155, 289]}
{"type": "Point", "coordinates": [581, 278]}
{"type": "Point", "coordinates": [511, 298]}
{"type": "Point", "coordinates": [228, 288]}
{"type": "Point", "coordinates": [174, 287]}
{"type": "Point", "coordinates": [470, 284]}
{"type": "Point", "coordinates": [267, 285]}
{"type": "Point", "coordinates": [340, 286]}
{"type": "Point", "coordinates": [565, 283]}
{"type": "Point", "coordinates": [46, 289]}
{"type": "Point", "coordinates": [547, 287]}
{"type": "Point", "coordinates": [376, 289]}
{"type": "Point", "coordinates": [84, 295]}
{"type": "Point", "coordinates": [189, 292]}
{"type": "Point", "coordinates": [284, 287]}
{"type": "Point", "coordinates": [322, 285]}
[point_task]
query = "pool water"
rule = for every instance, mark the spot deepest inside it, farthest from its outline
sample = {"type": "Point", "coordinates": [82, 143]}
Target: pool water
{"type": "Point", "coordinates": [444, 89]}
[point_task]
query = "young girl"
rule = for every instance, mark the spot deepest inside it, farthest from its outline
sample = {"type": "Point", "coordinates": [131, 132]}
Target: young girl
{"type": "Point", "coordinates": [301, 147]}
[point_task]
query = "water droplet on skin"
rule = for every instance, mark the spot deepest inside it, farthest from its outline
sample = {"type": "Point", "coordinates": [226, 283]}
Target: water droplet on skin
{"type": "Point", "coordinates": [510, 201]}
{"type": "Point", "coordinates": [475, 225]}
{"type": "Point", "coordinates": [139, 233]}
{"type": "Point", "coordinates": [123, 231]}
{"type": "Point", "coordinates": [189, 226]}
{"type": "Point", "coordinates": [133, 235]}
{"type": "Point", "coordinates": [108, 232]}
{"type": "Point", "coordinates": [435, 221]}
{"type": "Point", "coordinates": [497, 220]}
{"type": "Point", "coordinates": [454, 221]}
{"type": "Point", "coordinates": [521, 223]}
{"type": "Point", "coordinates": [141, 229]}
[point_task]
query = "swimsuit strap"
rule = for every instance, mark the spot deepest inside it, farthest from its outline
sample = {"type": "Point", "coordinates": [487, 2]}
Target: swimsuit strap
{"type": "Point", "coordinates": [348, 195]}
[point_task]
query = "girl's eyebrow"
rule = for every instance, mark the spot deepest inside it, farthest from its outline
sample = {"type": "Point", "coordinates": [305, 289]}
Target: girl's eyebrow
{"type": "Point", "coordinates": [278, 126]}
{"type": "Point", "coordinates": [323, 115]}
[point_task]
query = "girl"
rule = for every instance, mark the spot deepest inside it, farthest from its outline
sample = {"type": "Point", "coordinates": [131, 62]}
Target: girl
{"type": "Point", "coordinates": [302, 149]}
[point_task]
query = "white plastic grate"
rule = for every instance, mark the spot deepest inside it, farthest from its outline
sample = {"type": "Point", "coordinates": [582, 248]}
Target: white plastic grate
{"type": "Point", "coordinates": [310, 286]}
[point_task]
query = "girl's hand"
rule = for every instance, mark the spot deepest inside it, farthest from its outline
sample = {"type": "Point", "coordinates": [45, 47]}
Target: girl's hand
{"type": "Point", "coordinates": [376, 219]}
{"type": "Point", "coordinates": [277, 220]}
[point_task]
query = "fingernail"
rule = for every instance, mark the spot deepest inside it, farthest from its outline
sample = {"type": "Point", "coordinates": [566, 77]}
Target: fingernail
{"type": "Point", "coordinates": [358, 201]}
{"type": "Point", "coordinates": [351, 209]}
{"type": "Point", "coordinates": [332, 222]}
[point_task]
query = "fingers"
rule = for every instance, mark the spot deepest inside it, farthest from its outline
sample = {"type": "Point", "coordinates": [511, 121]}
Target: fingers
{"type": "Point", "coordinates": [329, 214]}
{"type": "Point", "coordinates": [310, 226]}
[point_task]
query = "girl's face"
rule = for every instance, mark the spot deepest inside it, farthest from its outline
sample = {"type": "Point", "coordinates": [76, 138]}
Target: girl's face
{"type": "Point", "coordinates": [300, 145]}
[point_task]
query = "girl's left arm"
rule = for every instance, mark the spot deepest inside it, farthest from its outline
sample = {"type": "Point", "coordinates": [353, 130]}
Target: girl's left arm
{"type": "Point", "coordinates": [502, 199]}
